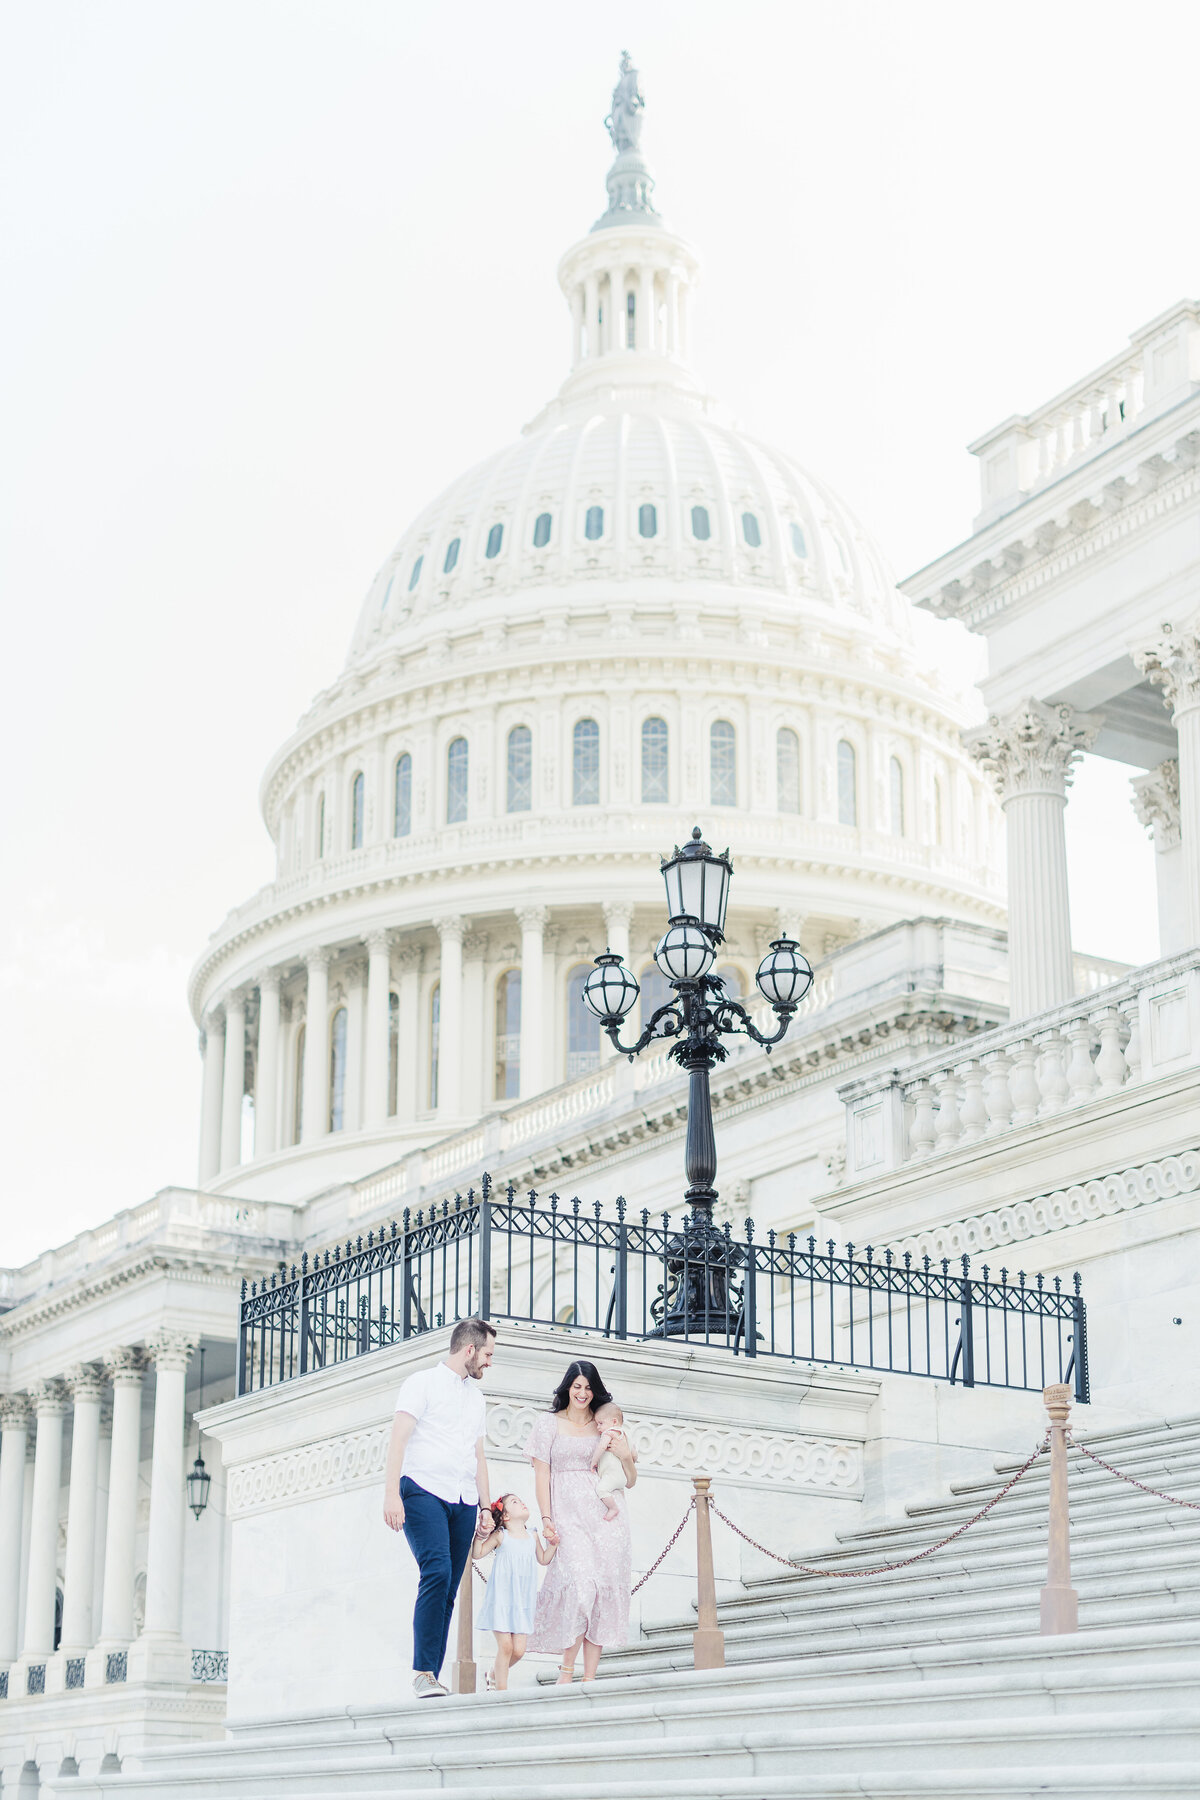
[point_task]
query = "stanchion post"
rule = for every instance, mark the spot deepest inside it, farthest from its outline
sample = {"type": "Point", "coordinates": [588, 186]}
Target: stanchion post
{"type": "Point", "coordinates": [1060, 1602]}
{"type": "Point", "coordinates": [462, 1676]}
{"type": "Point", "coordinates": [708, 1640]}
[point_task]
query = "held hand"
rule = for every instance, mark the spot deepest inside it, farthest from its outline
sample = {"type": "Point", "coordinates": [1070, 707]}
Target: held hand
{"type": "Point", "coordinates": [550, 1531]}
{"type": "Point", "coordinates": [393, 1513]}
{"type": "Point", "coordinates": [486, 1525]}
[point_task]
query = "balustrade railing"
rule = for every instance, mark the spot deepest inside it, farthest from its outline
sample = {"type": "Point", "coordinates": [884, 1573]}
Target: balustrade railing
{"type": "Point", "coordinates": [1022, 1074]}
{"type": "Point", "coordinates": [548, 1262]}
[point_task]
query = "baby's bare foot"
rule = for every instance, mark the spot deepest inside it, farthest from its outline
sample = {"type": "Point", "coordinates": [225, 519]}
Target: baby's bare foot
{"type": "Point", "coordinates": [611, 1513]}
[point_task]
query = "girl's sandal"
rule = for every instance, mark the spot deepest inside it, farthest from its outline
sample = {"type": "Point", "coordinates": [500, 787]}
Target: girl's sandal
{"type": "Point", "coordinates": [490, 1682]}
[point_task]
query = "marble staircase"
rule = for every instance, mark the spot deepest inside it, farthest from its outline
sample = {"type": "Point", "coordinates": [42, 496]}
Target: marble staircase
{"type": "Point", "coordinates": [929, 1682]}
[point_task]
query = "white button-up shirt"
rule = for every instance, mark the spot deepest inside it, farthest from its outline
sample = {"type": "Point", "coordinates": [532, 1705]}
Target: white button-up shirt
{"type": "Point", "coordinates": [451, 1418]}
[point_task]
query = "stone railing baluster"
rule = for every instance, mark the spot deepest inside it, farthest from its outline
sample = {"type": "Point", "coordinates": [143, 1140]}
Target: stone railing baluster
{"type": "Point", "coordinates": [923, 1132]}
{"type": "Point", "coordinates": [1082, 1080]}
{"type": "Point", "coordinates": [1111, 1067]}
{"type": "Point", "coordinates": [996, 1092]}
{"type": "Point", "coordinates": [1023, 1084]}
{"type": "Point", "coordinates": [949, 1125]}
{"type": "Point", "coordinates": [1052, 1078]}
{"type": "Point", "coordinates": [973, 1114]}
{"type": "Point", "coordinates": [1131, 1012]}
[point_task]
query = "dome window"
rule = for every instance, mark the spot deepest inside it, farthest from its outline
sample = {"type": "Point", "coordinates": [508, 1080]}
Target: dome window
{"type": "Point", "coordinates": [630, 322]}
{"type": "Point", "coordinates": [387, 594]}
{"type": "Point", "coordinates": [520, 769]}
{"type": "Point", "coordinates": [655, 762]}
{"type": "Point", "coordinates": [583, 1027]}
{"type": "Point", "coordinates": [337, 1070]}
{"type": "Point", "coordinates": [416, 574]}
{"type": "Point", "coordinates": [896, 795]}
{"type": "Point", "coordinates": [451, 556]}
{"type": "Point", "coordinates": [701, 528]}
{"type": "Point", "coordinates": [456, 781]}
{"type": "Point", "coordinates": [847, 784]}
{"type": "Point", "coordinates": [494, 541]}
{"type": "Point", "coordinates": [787, 770]}
{"type": "Point", "coordinates": [402, 797]}
{"type": "Point", "coordinates": [593, 525]}
{"type": "Point", "coordinates": [541, 531]}
{"type": "Point", "coordinates": [508, 1035]}
{"type": "Point", "coordinates": [585, 763]}
{"type": "Point", "coordinates": [722, 763]}
{"type": "Point", "coordinates": [647, 521]}
{"type": "Point", "coordinates": [750, 531]}
{"type": "Point", "coordinates": [798, 543]}
{"type": "Point", "coordinates": [357, 811]}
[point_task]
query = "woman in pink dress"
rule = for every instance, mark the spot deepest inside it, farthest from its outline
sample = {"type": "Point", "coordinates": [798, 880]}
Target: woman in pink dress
{"type": "Point", "coordinates": [585, 1597]}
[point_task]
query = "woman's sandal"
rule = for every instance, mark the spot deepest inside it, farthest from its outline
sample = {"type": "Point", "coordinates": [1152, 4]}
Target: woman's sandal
{"type": "Point", "coordinates": [568, 1672]}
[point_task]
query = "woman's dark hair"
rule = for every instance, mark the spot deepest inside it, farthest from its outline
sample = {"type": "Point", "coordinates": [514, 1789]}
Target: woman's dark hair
{"type": "Point", "coordinates": [591, 1374]}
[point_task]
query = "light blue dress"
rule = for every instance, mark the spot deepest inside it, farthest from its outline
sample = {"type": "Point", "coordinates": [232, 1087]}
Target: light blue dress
{"type": "Point", "coordinates": [512, 1589]}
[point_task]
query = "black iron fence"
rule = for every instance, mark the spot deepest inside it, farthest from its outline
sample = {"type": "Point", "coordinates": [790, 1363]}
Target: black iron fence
{"type": "Point", "coordinates": [545, 1261]}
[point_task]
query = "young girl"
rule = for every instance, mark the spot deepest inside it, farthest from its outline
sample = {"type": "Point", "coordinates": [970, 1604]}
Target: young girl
{"type": "Point", "coordinates": [511, 1598]}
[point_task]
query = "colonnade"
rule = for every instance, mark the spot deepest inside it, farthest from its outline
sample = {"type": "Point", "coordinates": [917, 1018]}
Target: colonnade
{"type": "Point", "coordinates": [35, 1570]}
{"type": "Point", "coordinates": [373, 972]}
{"type": "Point", "coordinates": [1030, 754]}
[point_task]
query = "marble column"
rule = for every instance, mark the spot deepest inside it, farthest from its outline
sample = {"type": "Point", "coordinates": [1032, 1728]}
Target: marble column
{"type": "Point", "coordinates": [235, 1081]}
{"type": "Point", "coordinates": [645, 317]}
{"type": "Point", "coordinates": [266, 1073]}
{"type": "Point", "coordinates": [1173, 664]}
{"type": "Point", "coordinates": [533, 921]}
{"type": "Point", "coordinates": [86, 1383]}
{"type": "Point", "coordinates": [408, 959]}
{"type": "Point", "coordinates": [591, 309]}
{"type": "Point", "coordinates": [1030, 755]}
{"type": "Point", "coordinates": [14, 1435]}
{"type": "Point", "coordinates": [120, 1539]}
{"type": "Point", "coordinates": [210, 1101]}
{"type": "Point", "coordinates": [375, 1060]}
{"type": "Point", "coordinates": [475, 1032]}
{"type": "Point", "coordinates": [1156, 803]}
{"type": "Point", "coordinates": [616, 303]}
{"type": "Point", "coordinates": [51, 1403]}
{"type": "Point", "coordinates": [171, 1351]}
{"type": "Point", "coordinates": [450, 931]}
{"type": "Point", "coordinates": [315, 1122]}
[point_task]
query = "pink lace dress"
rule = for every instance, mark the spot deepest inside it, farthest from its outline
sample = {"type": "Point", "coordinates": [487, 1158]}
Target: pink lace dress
{"type": "Point", "coordinates": [586, 1589]}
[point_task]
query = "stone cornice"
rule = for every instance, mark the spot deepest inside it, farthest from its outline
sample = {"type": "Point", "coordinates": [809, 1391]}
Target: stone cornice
{"type": "Point", "coordinates": [1017, 557]}
{"type": "Point", "coordinates": [202, 1268]}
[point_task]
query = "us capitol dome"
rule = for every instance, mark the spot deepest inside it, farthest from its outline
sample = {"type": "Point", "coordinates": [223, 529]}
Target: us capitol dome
{"type": "Point", "coordinates": [632, 619]}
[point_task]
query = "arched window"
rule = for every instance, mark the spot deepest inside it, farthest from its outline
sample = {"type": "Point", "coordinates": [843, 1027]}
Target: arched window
{"type": "Point", "coordinates": [847, 784]}
{"type": "Point", "coordinates": [583, 1027]}
{"type": "Point", "coordinates": [896, 795]}
{"type": "Point", "coordinates": [647, 520]}
{"type": "Point", "coordinates": [298, 1089]}
{"type": "Point", "coordinates": [456, 781]}
{"type": "Point", "coordinates": [939, 813]}
{"type": "Point", "coordinates": [630, 322]}
{"type": "Point", "coordinates": [585, 764]}
{"type": "Point", "coordinates": [435, 1032]}
{"type": "Point", "coordinates": [656, 991]}
{"type": "Point", "coordinates": [750, 531]}
{"type": "Point", "coordinates": [337, 1070]}
{"type": "Point", "coordinates": [451, 556]}
{"type": "Point", "coordinates": [387, 594]}
{"type": "Point", "coordinates": [593, 524]}
{"type": "Point", "coordinates": [495, 538]}
{"type": "Point", "coordinates": [722, 763]}
{"type": "Point", "coordinates": [541, 531]}
{"type": "Point", "coordinates": [798, 543]}
{"type": "Point", "coordinates": [787, 770]}
{"type": "Point", "coordinates": [655, 765]}
{"type": "Point", "coordinates": [701, 529]}
{"type": "Point", "coordinates": [393, 1053]}
{"type": "Point", "coordinates": [416, 574]}
{"type": "Point", "coordinates": [321, 826]}
{"type": "Point", "coordinates": [520, 769]}
{"type": "Point", "coordinates": [358, 801]}
{"type": "Point", "coordinates": [508, 1035]}
{"type": "Point", "coordinates": [402, 802]}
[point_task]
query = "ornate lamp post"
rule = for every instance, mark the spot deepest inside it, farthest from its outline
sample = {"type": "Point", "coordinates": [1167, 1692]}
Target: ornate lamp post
{"type": "Point", "coordinates": [700, 1014]}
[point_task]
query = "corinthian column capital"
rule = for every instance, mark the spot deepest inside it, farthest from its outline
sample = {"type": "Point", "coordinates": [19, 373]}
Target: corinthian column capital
{"type": "Point", "coordinates": [533, 918]}
{"type": "Point", "coordinates": [86, 1381]}
{"type": "Point", "coordinates": [1173, 664]}
{"type": "Point", "coordinates": [1156, 803]}
{"type": "Point", "coordinates": [15, 1412]}
{"type": "Point", "coordinates": [125, 1366]}
{"type": "Point", "coordinates": [171, 1350]}
{"type": "Point", "coordinates": [1034, 749]}
{"type": "Point", "coordinates": [451, 925]}
{"type": "Point", "coordinates": [49, 1398]}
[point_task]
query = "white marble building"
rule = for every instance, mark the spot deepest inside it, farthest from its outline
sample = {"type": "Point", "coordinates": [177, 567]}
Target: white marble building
{"type": "Point", "coordinates": [631, 619]}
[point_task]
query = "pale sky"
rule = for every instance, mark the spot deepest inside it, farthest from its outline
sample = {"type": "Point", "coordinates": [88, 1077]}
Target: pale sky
{"type": "Point", "coordinates": [274, 273]}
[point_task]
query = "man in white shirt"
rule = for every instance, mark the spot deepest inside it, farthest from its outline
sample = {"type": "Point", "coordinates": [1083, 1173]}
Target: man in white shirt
{"type": "Point", "coordinates": [436, 1483]}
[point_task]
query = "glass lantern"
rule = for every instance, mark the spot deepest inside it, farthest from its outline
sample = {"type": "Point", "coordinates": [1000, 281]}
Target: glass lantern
{"type": "Point", "coordinates": [611, 989]}
{"type": "Point", "coordinates": [784, 975]}
{"type": "Point", "coordinates": [697, 884]}
{"type": "Point", "coordinates": [686, 952]}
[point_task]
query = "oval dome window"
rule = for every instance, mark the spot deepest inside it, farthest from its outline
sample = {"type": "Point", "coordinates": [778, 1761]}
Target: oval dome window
{"type": "Point", "coordinates": [701, 528]}
{"type": "Point", "coordinates": [452, 549]}
{"type": "Point", "coordinates": [750, 530]}
{"type": "Point", "coordinates": [494, 541]}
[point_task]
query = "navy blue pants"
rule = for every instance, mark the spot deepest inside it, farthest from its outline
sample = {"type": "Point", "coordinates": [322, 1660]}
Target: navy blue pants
{"type": "Point", "coordinates": [439, 1534]}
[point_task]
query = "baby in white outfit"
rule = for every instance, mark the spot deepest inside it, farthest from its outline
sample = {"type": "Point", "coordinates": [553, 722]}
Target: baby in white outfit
{"type": "Point", "coordinates": [607, 1464]}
